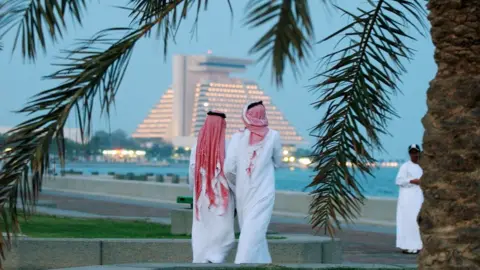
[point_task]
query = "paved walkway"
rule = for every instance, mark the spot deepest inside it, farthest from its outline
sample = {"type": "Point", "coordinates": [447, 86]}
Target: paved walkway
{"type": "Point", "coordinates": [362, 244]}
{"type": "Point", "coordinates": [176, 266]}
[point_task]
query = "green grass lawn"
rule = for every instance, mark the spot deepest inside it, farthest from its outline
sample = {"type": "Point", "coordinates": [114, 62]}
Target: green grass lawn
{"type": "Point", "coordinates": [44, 226]}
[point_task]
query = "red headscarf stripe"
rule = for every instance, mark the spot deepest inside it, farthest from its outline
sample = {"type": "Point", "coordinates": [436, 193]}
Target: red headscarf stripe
{"type": "Point", "coordinates": [255, 120]}
{"type": "Point", "coordinates": [210, 152]}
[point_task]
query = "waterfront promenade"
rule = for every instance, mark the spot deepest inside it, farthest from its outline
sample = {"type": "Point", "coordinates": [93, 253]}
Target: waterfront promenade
{"type": "Point", "coordinates": [361, 243]}
{"type": "Point", "coordinates": [375, 211]}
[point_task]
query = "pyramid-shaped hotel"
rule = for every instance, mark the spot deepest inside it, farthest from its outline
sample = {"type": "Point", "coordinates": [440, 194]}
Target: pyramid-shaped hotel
{"type": "Point", "coordinates": [202, 83]}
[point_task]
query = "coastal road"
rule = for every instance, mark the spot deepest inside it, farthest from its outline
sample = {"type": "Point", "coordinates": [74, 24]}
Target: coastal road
{"type": "Point", "coordinates": [361, 244]}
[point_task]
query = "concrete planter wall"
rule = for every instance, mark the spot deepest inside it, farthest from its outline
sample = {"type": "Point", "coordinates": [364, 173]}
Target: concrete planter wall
{"type": "Point", "coordinates": [146, 190]}
{"type": "Point", "coordinates": [42, 254]}
{"type": "Point", "coordinates": [36, 254]}
{"type": "Point", "coordinates": [378, 211]}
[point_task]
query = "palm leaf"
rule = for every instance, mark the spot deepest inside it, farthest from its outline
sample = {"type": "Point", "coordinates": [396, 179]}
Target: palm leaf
{"type": "Point", "coordinates": [93, 69]}
{"type": "Point", "coordinates": [288, 40]}
{"type": "Point", "coordinates": [85, 74]}
{"type": "Point", "coordinates": [146, 11]}
{"type": "Point", "coordinates": [8, 14]}
{"type": "Point", "coordinates": [37, 20]}
{"type": "Point", "coordinates": [355, 87]}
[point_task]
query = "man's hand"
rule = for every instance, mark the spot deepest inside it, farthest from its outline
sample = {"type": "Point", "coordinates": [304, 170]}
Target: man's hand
{"type": "Point", "coordinates": [415, 181]}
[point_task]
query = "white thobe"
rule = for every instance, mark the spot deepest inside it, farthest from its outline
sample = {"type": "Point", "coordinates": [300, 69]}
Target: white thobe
{"type": "Point", "coordinates": [213, 234]}
{"type": "Point", "coordinates": [255, 194]}
{"type": "Point", "coordinates": [410, 201]}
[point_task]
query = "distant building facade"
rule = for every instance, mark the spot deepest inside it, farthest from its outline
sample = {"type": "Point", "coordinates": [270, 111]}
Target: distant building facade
{"type": "Point", "coordinates": [202, 83]}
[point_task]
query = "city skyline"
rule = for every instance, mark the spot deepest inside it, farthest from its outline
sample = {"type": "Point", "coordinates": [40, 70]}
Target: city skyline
{"type": "Point", "coordinates": [149, 74]}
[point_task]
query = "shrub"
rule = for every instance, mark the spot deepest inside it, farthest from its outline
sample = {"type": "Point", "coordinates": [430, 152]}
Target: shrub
{"type": "Point", "coordinates": [175, 179]}
{"type": "Point", "coordinates": [159, 178]}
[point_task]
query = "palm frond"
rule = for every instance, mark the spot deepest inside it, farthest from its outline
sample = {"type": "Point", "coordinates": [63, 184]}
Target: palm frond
{"type": "Point", "coordinates": [146, 11]}
{"type": "Point", "coordinates": [288, 40]}
{"type": "Point", "coordinates": [8, 11]}
{"type": "Point", "coordinates": [87, 72]}
{"type": "Point", "coordinates": [94, 69]}
{"type": "Point", "coordinates": [355, 88]}
{"type": "Point", "coordinates": [6, 15]}
{"type": "Point", "coordinates": [37, 20]}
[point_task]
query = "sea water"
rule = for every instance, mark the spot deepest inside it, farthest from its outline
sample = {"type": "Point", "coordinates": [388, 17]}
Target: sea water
{"type": "Point", "coordinates": [381, 184]}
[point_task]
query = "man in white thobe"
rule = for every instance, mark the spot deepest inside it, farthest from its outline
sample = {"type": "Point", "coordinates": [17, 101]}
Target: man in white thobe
{"type": "Point", "coordinates": [213, 205]}
{"type": "Point", "coordinates": [252, 156]}
{"type": "Point", "coordinates": [410, 201]}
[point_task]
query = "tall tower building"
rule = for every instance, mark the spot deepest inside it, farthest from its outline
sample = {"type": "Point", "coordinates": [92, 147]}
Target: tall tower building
{"type": "Point", "coordinates": [202, 83]}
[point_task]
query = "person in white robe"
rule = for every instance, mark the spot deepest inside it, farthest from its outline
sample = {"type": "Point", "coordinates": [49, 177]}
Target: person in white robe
{"type": "Point", "coordinates": [410, 201]}
{"type": "Point", "coordinates": [252, 156]}
{"type": "Point", "coordinates": [213, 203]}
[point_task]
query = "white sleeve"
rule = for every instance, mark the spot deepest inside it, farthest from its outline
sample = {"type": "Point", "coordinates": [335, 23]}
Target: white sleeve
{"type": "Point", "coordinates": [402, 177]}
{"type": "Point", "coordinates": [230, 163]}
{"type": "Point", "coordinates": [191, 168]}
{"type": "Point", "coordinates": [277, 151]}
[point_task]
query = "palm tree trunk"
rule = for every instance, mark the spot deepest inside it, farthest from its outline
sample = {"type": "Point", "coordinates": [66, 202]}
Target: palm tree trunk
{"type": "Point", "coordinates": [450, 216]}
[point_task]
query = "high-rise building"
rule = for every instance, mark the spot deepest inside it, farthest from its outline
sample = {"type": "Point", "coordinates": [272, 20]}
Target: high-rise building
{"type": "Point", "coordinates": [202, 83]}
{"type": "Point", "coordinates": [158, 124]}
